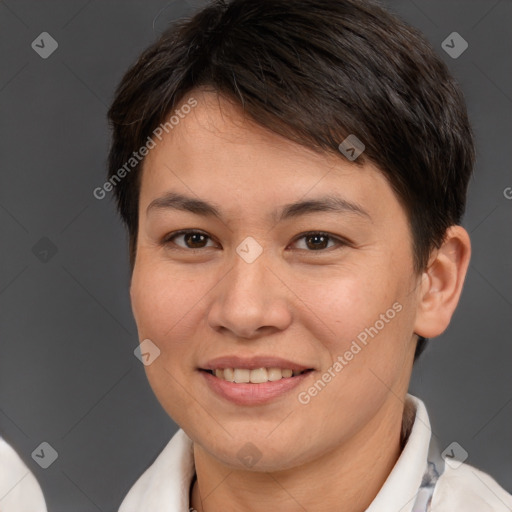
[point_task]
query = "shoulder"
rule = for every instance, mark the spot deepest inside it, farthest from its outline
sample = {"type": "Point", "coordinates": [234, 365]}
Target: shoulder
{"type": "Point", "coordinates": [468, 489]}
{"type": "Point", "coordinates": [19, 489]}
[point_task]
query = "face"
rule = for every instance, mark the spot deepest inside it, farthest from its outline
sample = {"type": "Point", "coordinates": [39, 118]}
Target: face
{"type": "Point", "coordinates": [254, 252]}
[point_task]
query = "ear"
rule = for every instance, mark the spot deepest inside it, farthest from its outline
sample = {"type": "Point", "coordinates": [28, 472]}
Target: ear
{"type": "Point", "coordinates": [442, 282]}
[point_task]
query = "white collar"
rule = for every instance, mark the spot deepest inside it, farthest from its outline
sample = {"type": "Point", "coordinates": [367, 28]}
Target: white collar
{"type": "Point", "coordinates": [165, 486]}
{"type": "Point", "coordinates": [399, 492]}
{"type": "Point", "coordinates": [19, 489]}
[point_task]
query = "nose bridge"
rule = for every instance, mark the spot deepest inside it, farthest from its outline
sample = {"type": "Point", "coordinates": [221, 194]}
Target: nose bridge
{"type": "Point", "coordinates": [250, 297]}
{"type": "Point", "coordinates": [248, 280]}
{"type": "Point", "coordinates": [249, 267]}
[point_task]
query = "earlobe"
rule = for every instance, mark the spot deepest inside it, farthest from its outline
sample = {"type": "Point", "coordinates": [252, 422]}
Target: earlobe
{"type": "Point", "coordinates": [442, 283]}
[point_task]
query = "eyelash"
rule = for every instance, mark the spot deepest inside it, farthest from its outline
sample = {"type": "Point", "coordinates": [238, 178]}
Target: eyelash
{"type": "Point", "coordinates": [168, 239]}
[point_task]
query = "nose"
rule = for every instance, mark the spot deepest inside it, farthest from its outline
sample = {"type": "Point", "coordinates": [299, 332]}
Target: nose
{"type": "Point", "coordinates": [251, 301]}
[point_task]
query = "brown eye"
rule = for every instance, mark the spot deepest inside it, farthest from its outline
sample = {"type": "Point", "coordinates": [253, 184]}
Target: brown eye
{"type": "Point", "coordinates": [317, 241]}
{"type": "Point", "coordinates": [188, 239]}
{"type": "Point", "coordinates": [195, 240]}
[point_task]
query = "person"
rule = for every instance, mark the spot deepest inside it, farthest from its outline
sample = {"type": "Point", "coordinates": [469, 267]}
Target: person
{"type": "Point", "coordinates": [292, 175]}
{"type": "Point", "coordinates": [19, 489]}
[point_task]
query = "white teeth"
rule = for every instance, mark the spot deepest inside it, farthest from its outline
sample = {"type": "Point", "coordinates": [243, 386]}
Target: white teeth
{"type": "Point", "coordinates": [229, 374]}
{"type": "Point", "coordinates": [256, 376]}
{"type": "Point", "coordinates": [242, 375]}
{"type": "Point", "coordinates": [259, 375]}
{"type": "Point", "coordinates": [274, 374]}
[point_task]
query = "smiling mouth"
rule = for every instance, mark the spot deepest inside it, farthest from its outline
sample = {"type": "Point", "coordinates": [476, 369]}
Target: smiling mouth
{"type": "Point", "coordinates": [255, 376]}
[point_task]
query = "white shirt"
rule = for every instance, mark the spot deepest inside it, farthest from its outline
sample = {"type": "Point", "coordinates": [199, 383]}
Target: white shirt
{"type": "Point", "coordinates": [419, 482]}
{"type": "Point", "coordinates": [19, 490]}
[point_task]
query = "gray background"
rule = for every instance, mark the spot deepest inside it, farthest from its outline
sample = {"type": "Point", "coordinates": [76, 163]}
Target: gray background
{"type": "Point", "coordinates": [68, 375]}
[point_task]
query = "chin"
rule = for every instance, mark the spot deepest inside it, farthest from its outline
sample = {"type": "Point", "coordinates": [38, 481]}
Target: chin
{"type": "Point", "coordinates": [254, 452]}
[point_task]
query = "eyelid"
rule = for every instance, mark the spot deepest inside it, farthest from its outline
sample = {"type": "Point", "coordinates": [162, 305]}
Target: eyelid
{"type": "Point", "coordinates": [169, 237]}
{"type": "Point", "coordinates": [340, 241]}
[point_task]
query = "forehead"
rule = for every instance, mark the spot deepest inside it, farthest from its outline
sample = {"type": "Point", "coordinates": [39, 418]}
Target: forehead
{"type": "Point", "coordinates": [217, 152]}
{"type": "Point", "coordinates": [217, 122]}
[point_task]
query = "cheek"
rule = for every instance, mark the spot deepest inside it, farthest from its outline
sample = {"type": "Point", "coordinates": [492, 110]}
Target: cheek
{"type": "Point", "coordinates": [162, 306]}
{"type": "Point", "coordinates": [161, 300]}
{"type": "Point", "coordinates": [343, 304]}
{"type": "Point", "coordinates": [363, 316]}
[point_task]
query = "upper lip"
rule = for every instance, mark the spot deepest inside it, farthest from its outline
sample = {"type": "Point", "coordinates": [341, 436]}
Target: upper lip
{"type": "Point", "coordinates": [251, 363]}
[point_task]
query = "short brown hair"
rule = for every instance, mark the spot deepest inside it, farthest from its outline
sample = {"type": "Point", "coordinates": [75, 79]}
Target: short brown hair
{"type": "Point", "coordinates": [313, 71]}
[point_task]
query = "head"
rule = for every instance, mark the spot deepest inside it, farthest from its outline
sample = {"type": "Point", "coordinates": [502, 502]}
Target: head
{"type": "Point", "coordinates": [230, 126]}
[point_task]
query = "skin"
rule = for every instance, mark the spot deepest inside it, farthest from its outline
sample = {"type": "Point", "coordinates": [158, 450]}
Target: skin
{"type": "Point", "coordinates": [295, 301]}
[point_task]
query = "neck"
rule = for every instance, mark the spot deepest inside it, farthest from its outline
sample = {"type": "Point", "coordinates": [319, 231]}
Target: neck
{"type": "Point", "coordinates": [346, 478]}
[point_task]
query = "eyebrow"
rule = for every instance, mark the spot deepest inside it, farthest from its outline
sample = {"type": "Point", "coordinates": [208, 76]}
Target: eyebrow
{"type": "Point", "coordinates": [328, 203]}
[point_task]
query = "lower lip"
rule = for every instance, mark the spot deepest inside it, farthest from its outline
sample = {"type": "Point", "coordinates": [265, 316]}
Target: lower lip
{"type": "Point", "coordinates": [253, 394]}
